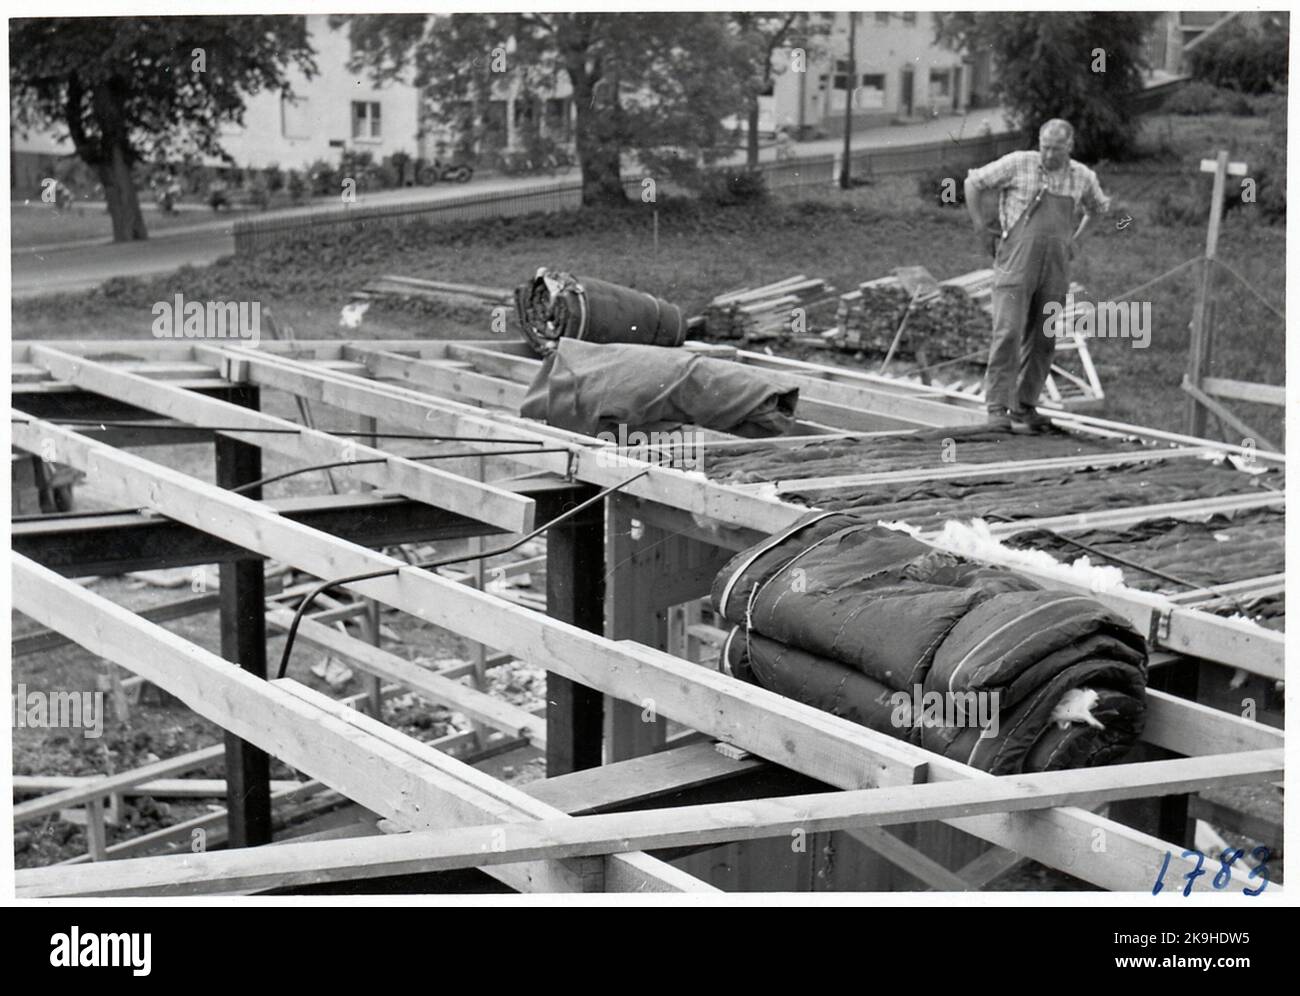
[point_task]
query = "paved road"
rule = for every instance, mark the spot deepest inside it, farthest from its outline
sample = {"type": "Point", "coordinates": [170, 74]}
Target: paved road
{"type": "Point", "coordinates": [79, 266]}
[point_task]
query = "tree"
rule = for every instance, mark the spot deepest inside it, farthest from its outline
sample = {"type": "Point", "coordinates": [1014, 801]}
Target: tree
{"type": "Point", "coordinates": [656, 85]}
{"type": "Point", "coordinates": [1248, 54]}
{"type": "Point", "coordinates": [133, 89]}
{"type": "Point", "coordinates": [1081, 66]}
{"type": "Point", "coordinates": [768, 33]}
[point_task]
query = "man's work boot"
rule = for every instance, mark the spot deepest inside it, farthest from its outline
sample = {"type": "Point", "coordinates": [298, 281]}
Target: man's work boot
{"type": "Point", "coordinates": [1028, 420]}
{"type": "Point", "coordinates": [999, 418]}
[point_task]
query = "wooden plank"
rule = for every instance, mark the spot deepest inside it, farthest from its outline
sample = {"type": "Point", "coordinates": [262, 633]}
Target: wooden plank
{"type": "Point", "coordinates": [325, 861]}
{"type": "Point", "coordinates": [1268, 584]}
{"type": "Point", "coordinates": [381, 769]}
{"type": "Point", "coordinates": [915, 863]}
{"type": "Point", "coordinates": [1191, 728]}
{"type": "Point", "coordinates": [430, 685]}
{"type": "Point", "coordinates": [1201, 508]}
{"type": "Point", "coordinates": [1224, 817]}
{"type": "Point", "coordinates": [1226, 415]}
{"type": "Point", "coordinates": [1241, 390]}
{"type": "Point", "coordinates": [161, 788]}
{"type": "Point", "coordinates": [47, 639]}
{"type": "Point", "coordinates": [640, 781]}
{"type": "Point", "coordinates": [484, 502]}
{"type": "Point", "coordinates": [97, 788]}
{"type": "Point", "coordinates": [945, 471]}
{"type": "Point", "coordinates": [461, 385]}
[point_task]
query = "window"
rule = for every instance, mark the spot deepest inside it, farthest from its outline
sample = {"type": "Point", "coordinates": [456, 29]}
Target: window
{"type": "Point", "coordinates": [909, 18]}
{"type": "Point", "coordinates": [940, 81]}
{"type": "Point", "coordinates": [366, 121]}
{"type": "Point", "coordinates": [882, 17]}
{"type": "Point", "coordinates": [871, 95]}
{"type": "Point", "coordinates": [294, 116]}
{"type": "Point", "coordinates": [841, 74]}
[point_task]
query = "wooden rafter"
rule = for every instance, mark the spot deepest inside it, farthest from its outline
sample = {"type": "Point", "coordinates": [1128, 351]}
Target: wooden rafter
{"type": "Point", "coordinates": [416, 480]}
{"type": "Point", "coordinates": [387, 772]}
{"type": "Point", "coordinates": [325, 861]}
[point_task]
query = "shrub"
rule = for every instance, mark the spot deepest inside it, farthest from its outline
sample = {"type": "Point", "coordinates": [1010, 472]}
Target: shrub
{"type": "Point", "coordinates": [1199, 97]}
{"type": "Point", "coordinates": [1250, 59]}
{"type": "Point", "coordinates": [297, 185]}
{"type": "Point", "coordinates": [401, 165]}
{"type": "Point", "coordinates": [324, 178]}
{"type": "Point", "coordinates": [727, 189]}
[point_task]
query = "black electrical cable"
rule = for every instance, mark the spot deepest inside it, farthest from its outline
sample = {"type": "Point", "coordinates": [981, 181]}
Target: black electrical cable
{"type": "Point", "coordinates": [325, 586]}
{"type": "Point", "coordinates": [384, 459]}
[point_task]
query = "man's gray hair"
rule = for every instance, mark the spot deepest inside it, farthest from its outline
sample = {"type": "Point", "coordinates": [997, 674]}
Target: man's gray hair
{"type": "Point", "coordinates": [1057, 128]}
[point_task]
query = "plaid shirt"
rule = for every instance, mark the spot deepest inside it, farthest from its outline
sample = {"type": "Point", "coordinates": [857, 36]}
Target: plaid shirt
{"type": "Point", "coordinates": [1020, 175]}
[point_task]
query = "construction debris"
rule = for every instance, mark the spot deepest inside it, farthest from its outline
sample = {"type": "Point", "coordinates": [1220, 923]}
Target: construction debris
{"type": "Point", "coordinates": [947, 324]}
{"type": "Point", "coordinates": [466, 299]}
{"type": "Point", "coordinates": [770, 311]}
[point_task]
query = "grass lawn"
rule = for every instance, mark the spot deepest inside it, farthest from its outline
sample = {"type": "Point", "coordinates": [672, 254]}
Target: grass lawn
{"type": "Point", "coordinates": [843, 237]}
{"type": "Point", "coordinates": [33, 223]}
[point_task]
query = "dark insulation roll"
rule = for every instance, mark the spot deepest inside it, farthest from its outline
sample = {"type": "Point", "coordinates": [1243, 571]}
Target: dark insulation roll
{"type": "Point", "coordinates": [555, 305]}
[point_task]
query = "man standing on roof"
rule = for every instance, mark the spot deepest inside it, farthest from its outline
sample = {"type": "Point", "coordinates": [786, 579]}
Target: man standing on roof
{"type": "Point", "coordinates": [1029, 201]}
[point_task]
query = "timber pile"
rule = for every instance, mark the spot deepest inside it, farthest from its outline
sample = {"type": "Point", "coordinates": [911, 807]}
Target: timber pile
{"type": "Point", "coordinates": [950, 324]}
{"type": "Point", "coordinates": [466, 297]}
{"type": "Point", "coordinates": [757, 313]}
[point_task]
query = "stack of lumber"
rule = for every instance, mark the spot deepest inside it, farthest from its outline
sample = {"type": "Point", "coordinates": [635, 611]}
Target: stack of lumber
{"type": "Point", "coordinates": [947, 325]}
{"type": "Point", "coordinates": [469, 297]}
{"type": "Point", "coordinates": [756, 313]}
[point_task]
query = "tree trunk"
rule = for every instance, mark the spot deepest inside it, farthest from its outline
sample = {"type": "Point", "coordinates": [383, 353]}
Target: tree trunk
{"type": "Point", "coordinates": [751, 148]}
{"type": "Point", "coordinates": [598, 147]}
{"type": "Point", "coordinates": [113, 161]}
{"type": "Point", "coordinates": [119, 191]}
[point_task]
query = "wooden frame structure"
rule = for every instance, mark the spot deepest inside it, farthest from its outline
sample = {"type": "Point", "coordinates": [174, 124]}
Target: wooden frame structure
{"type": "Point", "coordinates": [613, 689]}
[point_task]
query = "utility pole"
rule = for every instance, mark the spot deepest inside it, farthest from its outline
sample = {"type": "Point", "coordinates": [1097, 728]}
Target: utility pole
{"type": "Point", "coordinates": [845, 179]}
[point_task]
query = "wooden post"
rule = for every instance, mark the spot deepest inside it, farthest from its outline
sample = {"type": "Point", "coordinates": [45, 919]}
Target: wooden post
{"type": "Point", "coordinates": [575, 593]}
{"type": "Point", "coordinates": [637, 553]}
{"type": "Point", "coordinates": [478, 653]}
{"type": "Point", "coordinates": [96, 832]}
{"type": "Point", "coordinates": [243, 641]}
{"type": "Point", "coordinates": [1202, 326]}
{"type": "Point", "coordinates": [370, 621]}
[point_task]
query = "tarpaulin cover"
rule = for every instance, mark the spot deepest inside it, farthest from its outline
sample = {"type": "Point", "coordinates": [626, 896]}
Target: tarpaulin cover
{"type": "Point", "coordinates": [588, 388]}
{"type": "Point", "coordinates": [842, 614]}
{"type": "Point", "coordinates": [556, 305]}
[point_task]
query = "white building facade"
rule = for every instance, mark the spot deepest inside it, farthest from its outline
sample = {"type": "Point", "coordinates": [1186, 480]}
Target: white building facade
{"type": "Point", "coordinates": [900, 73]}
